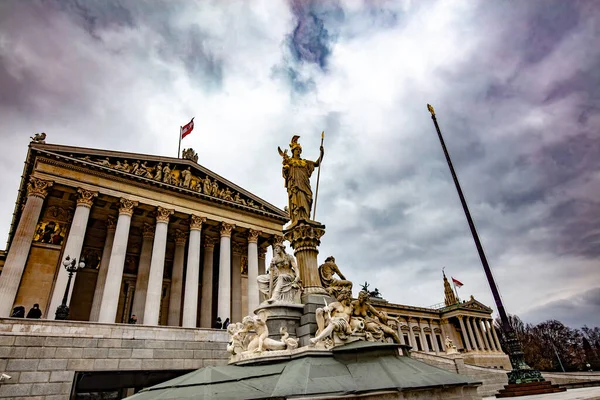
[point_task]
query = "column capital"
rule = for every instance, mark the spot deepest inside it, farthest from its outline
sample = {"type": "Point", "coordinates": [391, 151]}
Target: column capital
{"type": "Point", "coordinates": [210, 242]}
{"type": "Point", "coordinates": [196, 222]}
{"type": "Point", "coordinates": [253, 236]}
{"type": "Point", "coordinates": [460, 317]}
{"type": "Point", "coordinates": [147, 231]}
{"type": "Point", "coordinates": [277, 239]}
{"type": "Point", "coordinates": [226, 229]}
{"type": "Point", "coordinates": [38, 187]}
{"type": "Point", "coordinates": [180, 237]}
{"type": "Point", "coordinates": [262, 252]}
{"type": "Point", "coordinates": [163, 214]}
{"type": "Point", "coordinates": [111, 223]}
{"type": "Point", "coordinates": [237, 248]}
{"type": "Point", "coordinates": [127, 206]}
{"type": "Point", "coordinates": [86, 197]}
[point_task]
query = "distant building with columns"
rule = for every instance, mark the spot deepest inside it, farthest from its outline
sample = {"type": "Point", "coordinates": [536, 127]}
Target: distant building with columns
{"type": "Point", "coordinates": [170, 242]}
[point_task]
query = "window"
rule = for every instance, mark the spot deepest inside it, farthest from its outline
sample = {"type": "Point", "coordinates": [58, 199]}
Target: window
{"type": "Point", "coordinates": [429, 345]}
{"type": "Point", "coordinates": [418, 340]}
{"type": "Point", "coordinates": [439, 342]}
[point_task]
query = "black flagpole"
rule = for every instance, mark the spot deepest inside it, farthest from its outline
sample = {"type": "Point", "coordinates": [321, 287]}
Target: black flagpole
{"type": "Point", "coordinates": [521, 372]}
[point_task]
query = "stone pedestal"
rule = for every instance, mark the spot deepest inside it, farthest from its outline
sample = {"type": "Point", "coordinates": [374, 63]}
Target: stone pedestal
{"type": "Point", "coordinates": [282, 315]}
{"type": "Point", "coordinates": [304, 238]}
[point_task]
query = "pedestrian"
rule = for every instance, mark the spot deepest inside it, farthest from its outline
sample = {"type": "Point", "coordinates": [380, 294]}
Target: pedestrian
{"type": "Point", "coordinates": [35, 312]}
{"type": "Point", "coordinates": [133, 319]}
{"type": "Point", "coordinates": [218, 324]}
{"type": "Point", "coordinates": [18, 312]}
{"type": "Point", "coordinates": [226, 323]}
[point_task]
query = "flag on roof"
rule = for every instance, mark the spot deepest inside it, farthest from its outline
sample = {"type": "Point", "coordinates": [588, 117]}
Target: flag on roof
{"type": "Point", "coordinates": [456, 282]}
{"type": "Point", "coordinates": [187, 129]}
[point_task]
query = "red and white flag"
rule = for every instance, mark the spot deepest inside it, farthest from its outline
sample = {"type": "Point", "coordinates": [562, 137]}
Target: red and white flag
{"type": "Point", "coordinates": [456, 282]}
{"type": "Point", "coordinates": [187, 129]}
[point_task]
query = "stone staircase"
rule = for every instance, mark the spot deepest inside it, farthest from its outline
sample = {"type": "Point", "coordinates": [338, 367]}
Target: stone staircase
{"type": "Point", "coordinates": [526, 389]}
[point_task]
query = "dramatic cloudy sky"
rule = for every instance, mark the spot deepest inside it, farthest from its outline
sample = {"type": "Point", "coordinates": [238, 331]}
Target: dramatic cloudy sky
{"type": "Point", "coordinates": [515, 85]}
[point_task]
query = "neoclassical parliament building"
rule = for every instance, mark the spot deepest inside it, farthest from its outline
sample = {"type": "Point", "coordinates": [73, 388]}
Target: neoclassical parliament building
{"type": "Point", "coordinates": [170, 242]}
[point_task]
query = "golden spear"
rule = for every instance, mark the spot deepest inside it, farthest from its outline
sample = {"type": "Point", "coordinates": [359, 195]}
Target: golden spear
{"type": "Point", "coordinates": [318, 177]}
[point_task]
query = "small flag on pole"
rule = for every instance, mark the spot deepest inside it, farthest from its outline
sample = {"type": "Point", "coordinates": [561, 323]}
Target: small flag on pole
{"type": "Point", "coordinates": [187, 129]}
{"type": "Point", "coordinates": [456, 282]}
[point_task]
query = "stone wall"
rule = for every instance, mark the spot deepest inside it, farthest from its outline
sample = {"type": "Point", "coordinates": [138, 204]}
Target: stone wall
{"type": "Point", "coordinates": [42, 356]}
{"type": "Point", "coordinates": [492, 379]}
{"type": "Point", "coordinates": [561, 378]}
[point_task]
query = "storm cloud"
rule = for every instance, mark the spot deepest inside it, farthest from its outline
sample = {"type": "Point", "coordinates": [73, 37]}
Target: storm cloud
{"type": "Point", "coordinates": [515, 86]}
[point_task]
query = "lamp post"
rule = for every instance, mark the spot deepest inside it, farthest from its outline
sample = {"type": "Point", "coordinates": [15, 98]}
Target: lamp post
{"type": "Point", "coordinates": [521, 372]}
{"type": "Point", "coordinates": [62, 311]}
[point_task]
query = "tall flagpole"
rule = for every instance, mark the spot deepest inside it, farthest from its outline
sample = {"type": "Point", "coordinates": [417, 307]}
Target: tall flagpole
{"type": "Point", "coordinates": [318, 177]}
{"type": "Point", "coordinates": [521, 372]}
{"type": "Point", "coordinates": [179, 148]}
{"type": "Point", "coordinates": [455, 290]}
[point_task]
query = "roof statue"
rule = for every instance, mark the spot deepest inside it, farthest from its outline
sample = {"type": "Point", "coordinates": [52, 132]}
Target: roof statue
{"type": "Point", "coordinates": [39, 138]}
{"type": "Point", "coordinates": [189, 154]}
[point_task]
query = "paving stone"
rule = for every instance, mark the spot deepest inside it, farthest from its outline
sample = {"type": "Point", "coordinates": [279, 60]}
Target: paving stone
{"type": "Point", "coordinates": [18, 352]}
{"type": "Point", "coordinates": [47, 388]}
{"type": "Point", "coordinates": [194, 346]}
{"type": "Point", "coordinates": [130, 364]}
{"type": "Point", "coordinates": [159, 353]}
{"type": "Point", "coordinates": [173, 364]}
{"type": "Point", "coordinates": [22, 365]}
{"type": "Point", "coordinates": [12, 391]}
{"type": "Point", "coordinates": [133, 343]}
{"type": "Point", "coordinates": [55, 341]}
{"type": "Point", "coordinates": [34, 377]}
{"type": "Point", "coordinates": [62, 376]}
{"type": "Point", "coordinates": [106, 364]}
{"type": "Point", "coordinates": [119, 353]}
{"type": "Point", "coordinates": [154, 344]}
{"type": "Point", "coordinates": [95, 353]}
{"type": "Point", "coordinates": [81, 364]}
{"type": "Point", "coordinates": [114, 343]}
{"type": "Point", "coordinates": [52, 365]}
{"type": "Point", "coordinates": [6, 340]}
{"type": "Point", "coordinates": [5, 351]}
{"type": "Point", "coordinates": [174, 345]}
{"type": "Point", "coordinates": [193, 364]}
{"type": "Point", "coordinates": [149, 364]}
{"type": "Point", "coordinates": [202, 354]}
{"type": "Point", "coordinates": [40, 352]}
{"type": "Point", "coordinates": [30, 341]}
{"type": "Point", "coordinates": [68, 352]}
{"type": "Point", "coordinates": [142, 353]}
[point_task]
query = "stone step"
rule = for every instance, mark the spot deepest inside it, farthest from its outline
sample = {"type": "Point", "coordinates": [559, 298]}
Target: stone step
{"type": "Point", "coordinates": [526, 389]}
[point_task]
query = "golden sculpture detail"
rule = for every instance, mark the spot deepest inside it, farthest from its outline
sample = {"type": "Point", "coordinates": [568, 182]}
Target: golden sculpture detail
{"type": "Point", "coordinates": [297, 172]}
{"type": "Point", "coordinates": [431, 110]}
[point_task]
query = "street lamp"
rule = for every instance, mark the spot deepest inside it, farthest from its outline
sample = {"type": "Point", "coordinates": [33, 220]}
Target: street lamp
{"type": "Point", "coordinates": [62, 311]}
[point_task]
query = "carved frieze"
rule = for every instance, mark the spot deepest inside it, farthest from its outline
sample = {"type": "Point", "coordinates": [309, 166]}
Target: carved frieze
{"type": "Point", "coordinates": [38, 187]}
{"type": "Point", "coordinates": [86, 197]}
{"type": "Point", "coordinates": [180, 176]}
{"type": "Point", "coordinates": [58, 214]}
{"type": "Point", "coordinates": [237, 248]}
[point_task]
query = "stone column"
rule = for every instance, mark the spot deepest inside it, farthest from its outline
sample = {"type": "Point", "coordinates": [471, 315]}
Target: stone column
{"type": "Point", "coordinates": [72, 248]}
{"type": "Point", "coordinates": [477, 328]}
{"type": "Point", "coordinates": [498, 346]}
{"type": "Point", "coordinates": [411, 334]}
{"type": "Point", "coordinates": [424, 344]}
{"type": "Point", "coordinates": [464, 332]}
{"type": "Point", "coordinates": [141, 281]}
{"type": "Point", "coordinates": [111, 226]}
{"type": "Point", "coordinates": [433, 338]}
{"type": "Point", "coordinates": [262, 266]}
{"type": "Point", "coordinates": [157, 267]}
{"type": "Point", "coordinates": [483, 333]}
{"type": "Point", "coordinates": [253, 293]}
{"type": "Point", "coordinates": [400, 334]}
{"type": "Point", "coordinates": [488, 329]}
{"type": "Point", "coordinates": [207, 282]}
{"type": "Point", "coordinates": [190, 301]}
{"type": "Point", "coordinates": [224, 298]}
{"type": "Point", "coordinates": [471, 335]}
{"type": "Point", "coordinates": [37, 190]}
{"type": "Point", "coordinates": [177, 279]}
{"type": "Point", "coordinates": [114, 276]}
{"type": "Point", "coordinates": [236, 282]}
{"type": "Point", "coordinates": [305, 237]}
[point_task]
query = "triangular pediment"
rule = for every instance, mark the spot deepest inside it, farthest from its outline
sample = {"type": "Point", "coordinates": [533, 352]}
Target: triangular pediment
{"type": "Point", "coordinates": [182, 175]}
{"type": "Point", "coordinates": [475, 305]}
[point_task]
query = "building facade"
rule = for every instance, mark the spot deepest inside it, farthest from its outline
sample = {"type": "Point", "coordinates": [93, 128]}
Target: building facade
{"type": "Point", "coordinates": [171, 243]}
